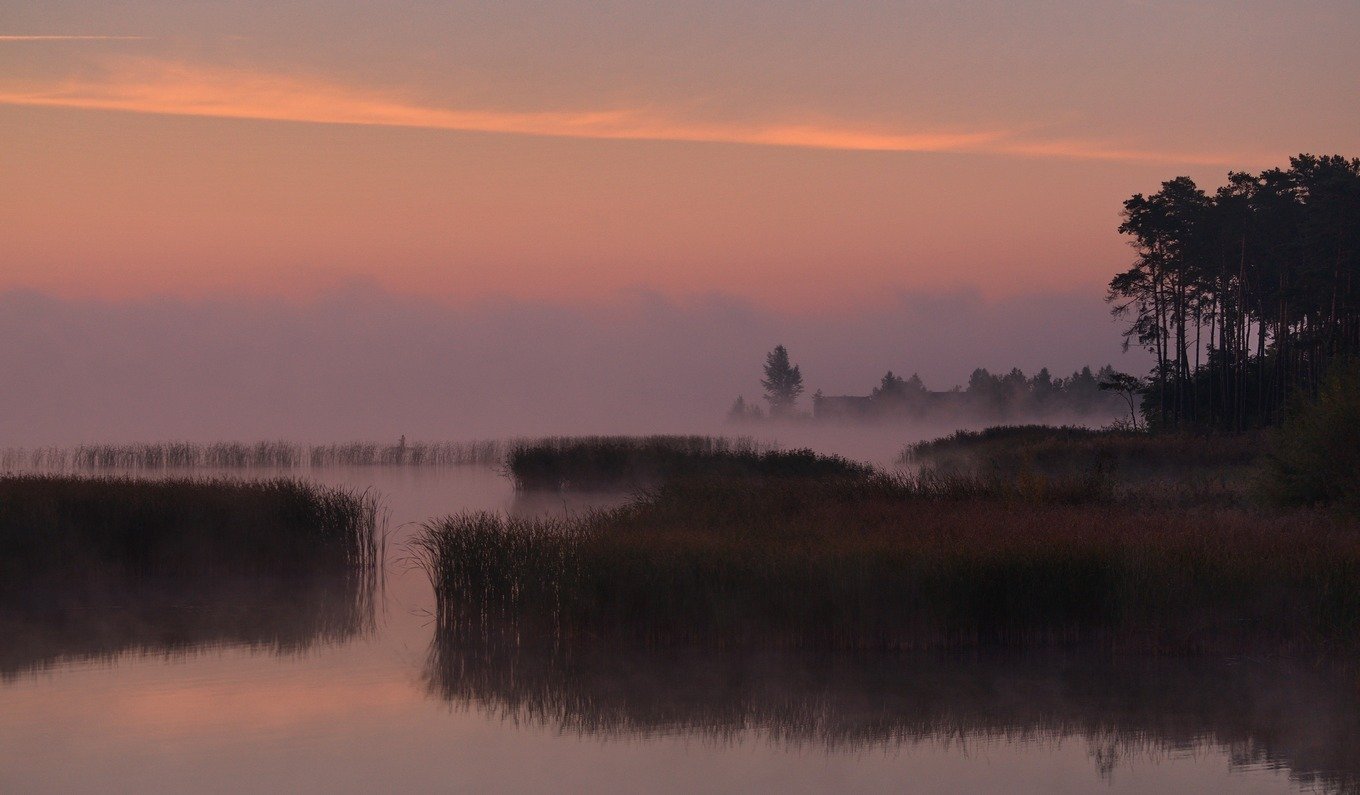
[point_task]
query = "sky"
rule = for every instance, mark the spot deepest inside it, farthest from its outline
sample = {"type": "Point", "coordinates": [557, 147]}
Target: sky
{"type": "Point", "coordinates": [815, 165]}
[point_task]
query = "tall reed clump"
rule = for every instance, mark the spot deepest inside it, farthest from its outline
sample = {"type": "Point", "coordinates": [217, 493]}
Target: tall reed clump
{"type": "Point", "coordinates": [596, 463]}
{"type": "Point", "coordinates": [872, 561]}
{"type": "Point", "coordinates": [94, 565]}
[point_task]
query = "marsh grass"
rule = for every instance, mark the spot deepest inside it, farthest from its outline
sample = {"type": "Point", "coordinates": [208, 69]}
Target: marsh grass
{"type": "Point", "coordinates": [486, 453]}
{"type": "Point", "coordinates": [1053, 449]}
{"type": "Point", "coordinates": [882, 562]}
{"type": "Point", "coordinates": [595, 463]}
{"type": "Point", "coordinates": [255, 455]}
{"type": "Point", "coordinates": [153, 455]}
{"type": "Point", "coordinates": [607, 459]}
{"type": "Point", "coordinates": [94, 566]}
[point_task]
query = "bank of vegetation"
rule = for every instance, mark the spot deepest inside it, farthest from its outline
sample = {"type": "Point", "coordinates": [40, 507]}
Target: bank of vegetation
{"type": "Point", "coordinates": [620, 463]}
{"type": "Point", "coordinates": [868, 560]}
{"type": "Point", "coordinates": [1050, 450]}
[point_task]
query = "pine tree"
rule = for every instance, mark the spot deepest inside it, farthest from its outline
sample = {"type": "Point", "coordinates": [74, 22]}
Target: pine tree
{"type": "Point", "coordinates": [783, 382]}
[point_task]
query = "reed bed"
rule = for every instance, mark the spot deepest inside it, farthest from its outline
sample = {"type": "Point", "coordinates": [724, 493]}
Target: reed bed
{"type": "Point", "coordinates": [486, 453]}
{"type": "Point", "coordinates": [154, 456]}
{"type": "Point", "coordinates": [882, 562]}
{"type": "Point", "coordinates": [603, 463]}
{"type": "Point", "coordinates": [596, 456]}
{"type": "Point", "coordinates": [93, 565]}
{"type": "Point", "coordinates": [254, 455]}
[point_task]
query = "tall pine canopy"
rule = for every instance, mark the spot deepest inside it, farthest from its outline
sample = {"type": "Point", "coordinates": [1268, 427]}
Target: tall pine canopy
{"type": "Point", "coordinates": [1245, 297]}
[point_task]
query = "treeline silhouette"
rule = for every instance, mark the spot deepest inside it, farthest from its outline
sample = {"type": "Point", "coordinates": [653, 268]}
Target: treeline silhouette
{"type": "Point", "coordinates": [1245, 296]}
{"type": "Point", "coordinates": [987, 396]}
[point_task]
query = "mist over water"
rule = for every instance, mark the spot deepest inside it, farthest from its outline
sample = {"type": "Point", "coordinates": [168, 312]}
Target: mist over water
{"type": "Point", "coordinates": [362, 364]}
{"type": "Point", "coordinates": [402, 708]}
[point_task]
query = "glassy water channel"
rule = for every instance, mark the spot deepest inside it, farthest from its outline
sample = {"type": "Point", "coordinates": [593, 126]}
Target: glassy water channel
{"type": "Point", "coordinates": [306, 707]}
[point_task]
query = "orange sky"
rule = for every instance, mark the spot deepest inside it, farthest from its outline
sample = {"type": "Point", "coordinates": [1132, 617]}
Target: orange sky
{"type": "Point", "coordinates": [792, 155]}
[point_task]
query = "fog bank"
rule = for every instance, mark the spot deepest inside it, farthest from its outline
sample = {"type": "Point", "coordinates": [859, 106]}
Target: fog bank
{"type": "Point", "coordinates": [361, 364]}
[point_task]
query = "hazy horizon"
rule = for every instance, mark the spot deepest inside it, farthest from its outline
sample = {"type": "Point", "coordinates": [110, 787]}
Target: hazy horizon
{"type": "Point", "coordinates": [364, 364]}
{"type": "Point", "coordinates": [461, 219]}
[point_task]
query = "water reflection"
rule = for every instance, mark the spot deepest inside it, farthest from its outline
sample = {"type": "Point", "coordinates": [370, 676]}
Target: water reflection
{"type": "Point", "coordinates": [532, 504]}
{"type": "Point", "coordinates": [1300, 717]}
{"type": "Point", "coordinates": [181, 615]}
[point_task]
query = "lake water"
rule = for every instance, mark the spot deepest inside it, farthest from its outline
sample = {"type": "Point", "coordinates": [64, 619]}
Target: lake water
{"type": "Point", "coordinates": [383, 709]}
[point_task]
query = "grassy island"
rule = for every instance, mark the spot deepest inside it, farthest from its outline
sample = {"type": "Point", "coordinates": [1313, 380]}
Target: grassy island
{"type": "Point", "coordinates": [862, 559]}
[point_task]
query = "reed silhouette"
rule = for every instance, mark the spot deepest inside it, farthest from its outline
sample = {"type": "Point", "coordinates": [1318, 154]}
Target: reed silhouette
{"type": "Point", "coordinates": [92, 567]}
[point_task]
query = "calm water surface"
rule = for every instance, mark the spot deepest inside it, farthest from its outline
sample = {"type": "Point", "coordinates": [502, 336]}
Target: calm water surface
{"type": "Point", "coordinates": [307, 708]}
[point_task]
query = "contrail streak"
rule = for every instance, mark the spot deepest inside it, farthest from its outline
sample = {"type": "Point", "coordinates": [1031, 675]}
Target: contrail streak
{"type": "Point", "coordinates": [72, 38]}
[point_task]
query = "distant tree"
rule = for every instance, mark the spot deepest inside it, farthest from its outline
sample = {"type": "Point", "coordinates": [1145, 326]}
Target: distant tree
{"type": "Point", "coordinates": [738, 410]}
{"type": "Point", "coordinates": [891, 387]}
{"type": "Point", "coordinates": [742, 411]}
{"type": "Point", "coordinates": [783, 382]}
{"type": "Point", "coordinates": [1126, 386]}
{"type": "Point", "coordinates": [1041, 385]}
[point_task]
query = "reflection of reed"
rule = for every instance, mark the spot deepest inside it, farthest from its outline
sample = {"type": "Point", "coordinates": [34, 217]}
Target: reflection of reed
{"type": "Point", "coordinates": [1305, 718]}
{"type": "Point", "coordinates": [92, 567]}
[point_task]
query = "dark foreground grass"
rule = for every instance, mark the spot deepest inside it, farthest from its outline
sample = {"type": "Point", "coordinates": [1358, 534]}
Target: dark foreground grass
{"type": "Point", "coordinates": [93, 566]}
{"type": "Point", "coordinates": [878, 562]}
{"type": "Point", "coordinates": [594, 463]}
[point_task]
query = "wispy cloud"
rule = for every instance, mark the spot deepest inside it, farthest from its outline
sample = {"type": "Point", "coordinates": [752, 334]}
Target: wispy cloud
{"type": "Point", "coordinates": [72, 38]}
{"type": "Point", "coordinates": [158, 87]}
